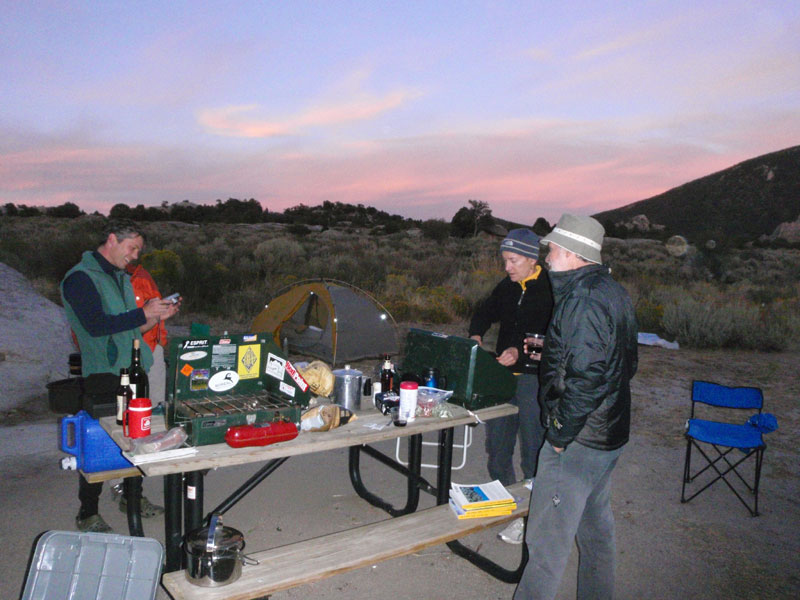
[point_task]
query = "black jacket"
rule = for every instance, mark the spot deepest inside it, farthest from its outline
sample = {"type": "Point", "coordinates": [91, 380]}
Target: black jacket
{"type": "Point", "coordinates": [589, 357]}
{"type": "Point", "coordinates": [518, 311]}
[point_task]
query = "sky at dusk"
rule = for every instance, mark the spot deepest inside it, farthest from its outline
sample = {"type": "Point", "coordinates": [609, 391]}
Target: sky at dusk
{"type": "Point", "coordinates": [536, 108]}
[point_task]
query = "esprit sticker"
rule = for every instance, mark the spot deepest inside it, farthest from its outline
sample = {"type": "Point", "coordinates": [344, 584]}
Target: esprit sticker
{"type": "Point", "coordinates": [190, 344]}
{"type": "Point", "coordinates": [248, 360]}
{"type": "Point", "coordinates": [223, 381]}
{"type": "Point", "coordinates": [298, 379]}
{"type": "Point", "coordinates": [275, 366]}
{"type": "Point", "coordinates": [187, 370]}
{"type": "Point", "coordinates": [286, 388]}
{"type": "Point", "coordinates": [193, 355]}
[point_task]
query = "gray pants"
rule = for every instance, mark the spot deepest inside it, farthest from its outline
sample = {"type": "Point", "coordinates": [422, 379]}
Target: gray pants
{"type": "Point", "coordinates": [501, 434]}
{"type": "Point", "coordinates": [571, 499]}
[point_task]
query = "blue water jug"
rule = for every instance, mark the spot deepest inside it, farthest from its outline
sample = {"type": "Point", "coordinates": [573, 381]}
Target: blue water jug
{"type": "Point", "coordinates": [91, 445]}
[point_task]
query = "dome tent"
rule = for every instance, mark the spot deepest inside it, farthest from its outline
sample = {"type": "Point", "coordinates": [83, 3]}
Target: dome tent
{"type": "Point", "coordinates": [331, 320]}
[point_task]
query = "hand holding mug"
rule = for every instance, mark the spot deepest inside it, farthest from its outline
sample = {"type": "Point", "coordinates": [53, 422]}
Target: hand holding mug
{"type": "Point", "coordinates": [534, 342]}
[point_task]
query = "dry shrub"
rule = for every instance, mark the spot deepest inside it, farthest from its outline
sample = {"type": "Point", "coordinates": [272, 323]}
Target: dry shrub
{"type": "Point", "coordinates": [718, 324]}
{"type": "Point", "coordinates": [278, 255]}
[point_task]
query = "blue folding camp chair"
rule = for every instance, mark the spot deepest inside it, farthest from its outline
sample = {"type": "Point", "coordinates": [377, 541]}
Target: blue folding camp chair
{"type": "Point", "coordinates": [724, 438]}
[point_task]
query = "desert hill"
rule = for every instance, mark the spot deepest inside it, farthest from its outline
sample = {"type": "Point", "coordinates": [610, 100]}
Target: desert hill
{"type": "Point", "coordinates": [738, 204]}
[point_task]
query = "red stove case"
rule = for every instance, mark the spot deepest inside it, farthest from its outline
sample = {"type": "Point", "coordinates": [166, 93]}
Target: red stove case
{"type": "Point", "coordinates": [263, 434]}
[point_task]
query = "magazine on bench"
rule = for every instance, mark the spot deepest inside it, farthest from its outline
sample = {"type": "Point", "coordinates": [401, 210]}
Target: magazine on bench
{"type": "Point", "coordinates": [479, 513]}
{"type": "Point", "coordinates": [481, 496]}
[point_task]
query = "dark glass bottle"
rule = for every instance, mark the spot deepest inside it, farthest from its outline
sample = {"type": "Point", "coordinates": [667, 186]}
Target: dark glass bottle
{"type": "Point", "coordinates": [124, 394]}
{"type": "Point", "coordinates": [139, 382]}
{"type": "Point", "coordinates": [387, 375]}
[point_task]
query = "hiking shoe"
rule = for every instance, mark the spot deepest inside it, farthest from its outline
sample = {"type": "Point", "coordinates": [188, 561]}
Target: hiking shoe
{"type": "Point", "coordinates": [148, 509]}
{"type": "Point", "coordinates": [513, 533]}
{"type": "Point", "coordinates": [93, 524]}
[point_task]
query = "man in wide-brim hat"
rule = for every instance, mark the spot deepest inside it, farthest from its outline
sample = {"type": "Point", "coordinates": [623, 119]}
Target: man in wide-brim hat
{"type": "Point", "coordinates": [588, 360]}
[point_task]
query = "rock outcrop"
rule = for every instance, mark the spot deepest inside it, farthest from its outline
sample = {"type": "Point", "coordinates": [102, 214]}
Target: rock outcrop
{"type": "Point", "coordinates": [789, 232]}
{"type": "Point", "coordinates": [35, 341]}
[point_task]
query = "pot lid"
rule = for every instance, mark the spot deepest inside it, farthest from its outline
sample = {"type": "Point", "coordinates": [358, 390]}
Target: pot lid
{"type": "Point", "coordinates": [225, 538]}
{"type": "Point", "coordinates": [347, 372]}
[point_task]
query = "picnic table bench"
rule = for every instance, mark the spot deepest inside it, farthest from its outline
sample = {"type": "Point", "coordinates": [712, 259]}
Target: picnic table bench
{"type": "Point", "coordinates": [298, 563]}
{"type": "Point", "coordinates": [314, 559]}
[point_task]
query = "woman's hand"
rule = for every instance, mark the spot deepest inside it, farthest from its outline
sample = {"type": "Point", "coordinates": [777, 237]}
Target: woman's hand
{"type": "Point", "coordinates": [508, 357]}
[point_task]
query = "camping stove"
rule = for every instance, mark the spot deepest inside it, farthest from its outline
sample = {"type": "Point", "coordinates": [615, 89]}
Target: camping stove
{"type": "Point", "coordinates": [215, 383]}
{"type": "Point", "coordinates": [209, 418]}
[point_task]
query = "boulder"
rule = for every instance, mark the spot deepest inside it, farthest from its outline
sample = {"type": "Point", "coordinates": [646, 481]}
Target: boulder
{"type": "Point", "coordinates": [789, 232]}
{"type": "Point", "coordinates": [34, 340]}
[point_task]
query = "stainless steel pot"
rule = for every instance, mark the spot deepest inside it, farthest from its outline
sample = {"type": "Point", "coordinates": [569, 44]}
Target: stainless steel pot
{"type": "Point", "coordinates": [214, 554]}
{"type": "Point", "coordinates": [347, 388]}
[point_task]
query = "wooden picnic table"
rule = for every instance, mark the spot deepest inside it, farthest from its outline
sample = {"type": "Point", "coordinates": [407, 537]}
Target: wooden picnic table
{"type": "Point", "coordinates": [183, 488]}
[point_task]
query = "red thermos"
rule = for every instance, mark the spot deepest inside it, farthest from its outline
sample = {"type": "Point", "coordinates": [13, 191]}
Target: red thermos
{"type": "Point", "coordinates": [262, 434]}
{"type": "Point", "coordinates": [136, 423]}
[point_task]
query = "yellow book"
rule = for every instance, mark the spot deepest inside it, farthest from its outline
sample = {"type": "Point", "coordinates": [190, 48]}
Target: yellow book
{"type": "Point", "coordinates": [480, 512]}
{"type": "Point", "coordinates": [481, 495]}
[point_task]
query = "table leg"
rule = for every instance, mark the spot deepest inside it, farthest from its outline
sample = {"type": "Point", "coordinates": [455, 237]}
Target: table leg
{"type": "Point", "coordinates": [132, 488]}
{"type": "Point", "coordinates": [412, 474]}
{"type": "Point", "coordinates": [249, 485]}
{"type": "Point", "coordinates": [172, 522]}
{"type": "Point", "coordinates": [443, 484]}
{"type": "Point", "coordinates": [192, 500]}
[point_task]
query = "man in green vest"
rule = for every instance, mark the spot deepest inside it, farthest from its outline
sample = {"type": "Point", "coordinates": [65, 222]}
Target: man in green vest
{"type": "Point", "coordinates": [101, 308]}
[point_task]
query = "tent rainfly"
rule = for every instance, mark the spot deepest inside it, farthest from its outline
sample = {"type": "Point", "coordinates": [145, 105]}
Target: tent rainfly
{"type": "Point", "coordinates": [329, 319]}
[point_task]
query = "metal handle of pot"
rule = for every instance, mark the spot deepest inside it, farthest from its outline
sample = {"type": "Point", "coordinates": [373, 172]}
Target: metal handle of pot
{"type": "Point", "coordinates": [214, 527]}
{"type": "Point", "coordinates": [247, 559]}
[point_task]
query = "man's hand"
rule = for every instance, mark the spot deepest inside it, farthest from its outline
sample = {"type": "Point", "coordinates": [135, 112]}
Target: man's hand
{"type": "Point", "coordinates": [477, 338]}
{"type": "Point", "coordinates": [509, 357]}
{"type": "Point", "coordinates": [156, 310]}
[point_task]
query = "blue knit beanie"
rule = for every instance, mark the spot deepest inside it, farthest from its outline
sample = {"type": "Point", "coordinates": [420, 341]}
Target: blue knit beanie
{"type": "Point", "coordinates": [521, 241]}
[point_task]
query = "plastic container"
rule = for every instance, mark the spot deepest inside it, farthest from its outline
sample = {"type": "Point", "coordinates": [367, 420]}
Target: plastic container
{"type": "Point", "coordinates": [429, 398]}
{"type": "Point", "coordinates": [408, 400]}
{"type": "Point", "coordinates": [68, 565]}
{"type": "Point", "coordinates": [83, 437]}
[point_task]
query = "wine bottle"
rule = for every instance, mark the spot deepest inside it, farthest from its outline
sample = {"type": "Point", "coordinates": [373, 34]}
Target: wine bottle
{"type": "Point", "coordinates": [140, 385]}
{"type": "Point", "coordinates": [387, 375]}
{"type": "Point", "coordinates": [124, 394]}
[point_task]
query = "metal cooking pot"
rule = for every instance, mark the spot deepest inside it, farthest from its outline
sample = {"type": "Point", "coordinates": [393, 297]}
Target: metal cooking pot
{"type": "Point", "coordinates": [214, 554]}
{"type": "Point", "coordinates": [347, 388]}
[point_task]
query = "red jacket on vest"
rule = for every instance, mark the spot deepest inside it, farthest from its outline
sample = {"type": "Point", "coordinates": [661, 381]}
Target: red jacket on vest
{"type": "Point", "coordinates": [144, 287]}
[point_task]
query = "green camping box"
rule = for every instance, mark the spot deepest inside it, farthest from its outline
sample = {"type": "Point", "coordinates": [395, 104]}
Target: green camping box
{"type": "Point", "coordinates": [474, 375]}
{"type": "Point", "coordinates": [217, 382]}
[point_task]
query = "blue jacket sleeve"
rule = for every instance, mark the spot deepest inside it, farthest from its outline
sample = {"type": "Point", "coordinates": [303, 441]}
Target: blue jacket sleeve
{"type": "Point", "coordinates": [84, 299]}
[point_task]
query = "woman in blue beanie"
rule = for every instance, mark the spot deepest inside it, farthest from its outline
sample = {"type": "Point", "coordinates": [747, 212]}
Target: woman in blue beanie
{"type": "Point", "coordinates": [522, 303]}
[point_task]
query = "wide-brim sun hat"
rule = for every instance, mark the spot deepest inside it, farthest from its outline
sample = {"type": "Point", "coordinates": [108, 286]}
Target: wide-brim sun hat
{"type": "Point", "coordinates": [581, 235]}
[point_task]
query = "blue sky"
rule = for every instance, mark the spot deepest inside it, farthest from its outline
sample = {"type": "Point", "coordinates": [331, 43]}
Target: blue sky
{"type": "Point", "coordinates": [537, 108]}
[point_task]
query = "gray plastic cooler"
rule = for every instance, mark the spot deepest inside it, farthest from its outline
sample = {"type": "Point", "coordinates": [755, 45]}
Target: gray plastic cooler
{"type": "Point", "coordinates": [68, 565]}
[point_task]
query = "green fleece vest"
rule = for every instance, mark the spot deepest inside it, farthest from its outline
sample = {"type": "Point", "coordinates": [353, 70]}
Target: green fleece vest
{"type": "Point", "coordinates": [106, 353]}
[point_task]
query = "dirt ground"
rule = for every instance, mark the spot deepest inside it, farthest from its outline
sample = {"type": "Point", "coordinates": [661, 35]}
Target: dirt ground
{"type": "Point", "coordinates": [710, 548]}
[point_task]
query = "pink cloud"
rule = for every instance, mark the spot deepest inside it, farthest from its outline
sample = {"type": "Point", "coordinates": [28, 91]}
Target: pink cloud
{"type": "Point", "coordinates": [236, 121]}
